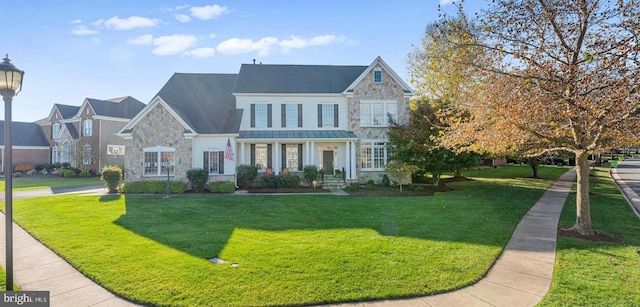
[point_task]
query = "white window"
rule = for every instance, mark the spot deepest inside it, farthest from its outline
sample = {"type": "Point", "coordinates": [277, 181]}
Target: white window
{"type": "Point", "coordinates": [55, 129]}
{"type": "Point", "coordinates": [291, 159]}
{"type": "Point", "coordinates": [374, 155]}
{"type": "Point", "coordinates": [377, 76]}
{"type": "Point", "coordinates": [86, 155]}
{"type": "Point", "coordinates": [328, 115]}
{"type": "Point", "coordinates": [214, 162]}
{"type": "Point", "coordinates": [375, 113]}
{"type": "Point", "coordinates": [87, 128]}
{"type": "Point", "coordinates": [261, 116]}
{"type": "Point", "coordinates": [291, 115]}
{"type": "Point", "coordinates": [262, 156]}
{"type": "Point", "coordinates": [54, 154]}
{"type": "Point", "coordinates": [158, 161]}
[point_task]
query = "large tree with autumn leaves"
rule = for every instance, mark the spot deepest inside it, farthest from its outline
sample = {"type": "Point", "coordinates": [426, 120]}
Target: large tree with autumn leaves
{"type": "Point", "coordinates": [540, 76]}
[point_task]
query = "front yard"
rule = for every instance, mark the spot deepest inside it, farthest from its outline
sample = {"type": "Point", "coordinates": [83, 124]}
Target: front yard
{"type": "Point", "coordinates": [314, 249]}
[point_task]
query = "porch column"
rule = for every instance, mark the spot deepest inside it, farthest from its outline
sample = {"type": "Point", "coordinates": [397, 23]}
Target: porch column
{"type": "Point", "coordinates": [242, 161]}
{"type": "Point", "coordinates": [276, 158]}
{"type": "Point", "coordinates": [307, 154]}
{"type": "Point", "coordinates": [353, 167]}
{"type": "Point", "coordinates": [313, 153]}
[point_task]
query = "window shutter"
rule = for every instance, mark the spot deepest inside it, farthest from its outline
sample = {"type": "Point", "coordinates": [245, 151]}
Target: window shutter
{"type": "Point", "coordinates": [221, 162]}
{"type": "Point", "coordinates": [335, 115]}
{"type": "Point", "coordinates": [253, 115]}
{"type": "Point", "coordinates": [283, 117]}
{"type": "Point", "coordinates": [269, 115]}
{"type": "Point", "coordinates": [300, 115]}
{"type": "Point", "coordinates": [269, 156]}
{"type": "Point", "coordinates": [253, 154]}
{"type": "Point", "coordinates": [319, 115]}
{"type": "Point", "coordinates": [300, 157]}
{"type": "Point", "coordinates": [205, 161]}
{"type": "Point", "coordinates": [284, 156]}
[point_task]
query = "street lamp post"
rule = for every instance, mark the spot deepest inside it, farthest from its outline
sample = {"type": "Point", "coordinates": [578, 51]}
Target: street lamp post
{"type": "Point", "coordinates": [10, 85]}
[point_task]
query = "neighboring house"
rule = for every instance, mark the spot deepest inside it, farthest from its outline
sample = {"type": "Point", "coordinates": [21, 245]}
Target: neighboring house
{"type": "Point", "coordinates": [28, 142]}
{"type": "Point", "coordinates": [278, 117]}
{"type": "Point", "coordinates": [81, 135]}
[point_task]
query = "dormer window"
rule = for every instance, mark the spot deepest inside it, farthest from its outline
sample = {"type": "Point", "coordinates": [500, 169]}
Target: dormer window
{"type": "Point", "coordinates": [377, 76]}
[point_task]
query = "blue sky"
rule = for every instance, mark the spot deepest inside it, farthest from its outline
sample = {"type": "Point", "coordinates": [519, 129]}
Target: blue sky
{"type": "Point", "coordinates": [72, 50]}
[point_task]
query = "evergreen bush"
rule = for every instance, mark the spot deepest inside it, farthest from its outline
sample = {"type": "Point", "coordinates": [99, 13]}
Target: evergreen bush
{"type": "Point", "coordinates": [111, 175]}
{"type": "Point", "coordinates": [198, 179]}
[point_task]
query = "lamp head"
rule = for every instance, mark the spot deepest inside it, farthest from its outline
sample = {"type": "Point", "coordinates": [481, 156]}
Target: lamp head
{"type": "Point", "coordinates": [10, 76]}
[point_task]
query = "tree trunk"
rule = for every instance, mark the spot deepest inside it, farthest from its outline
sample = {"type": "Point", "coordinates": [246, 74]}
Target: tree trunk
{"type": "Point", "coordinates": [534, 167]}
{"type": "Point", "coordinates": [458, 172]}
{"type": "Point", "coordinates": [583, 210]}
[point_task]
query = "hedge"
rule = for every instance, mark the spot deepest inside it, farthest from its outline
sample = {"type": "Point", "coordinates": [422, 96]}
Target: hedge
{"type": "Point", "coordinates": [222, 187]}
{"type": "Point", "coordinates": [154, 187]}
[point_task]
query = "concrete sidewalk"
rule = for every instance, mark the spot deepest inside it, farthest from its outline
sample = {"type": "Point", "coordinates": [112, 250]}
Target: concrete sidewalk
{"type": "Point", "coordinates": [522, 274]}
{"type": "Point", "coordinates": [520, 277]}
{"type": "Point", "coordinates": [37, 268]}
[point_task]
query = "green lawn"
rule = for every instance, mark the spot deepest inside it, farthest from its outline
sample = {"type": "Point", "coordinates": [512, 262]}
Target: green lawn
{"type": "Point", "coordinates": [31, 183]}
{"type": "Point", "coordinates": [289, 250]}
{"type": "Point", "coordinates": [599, 274]}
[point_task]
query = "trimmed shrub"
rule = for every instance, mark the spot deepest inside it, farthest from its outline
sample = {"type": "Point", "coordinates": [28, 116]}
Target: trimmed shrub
{"type": "Point", "coordinates": [385, 180]}
{"type": "Point", "coordinates": [354, 186]}
{"type": "Point", "coordinates": [310, 173]}
{"type": "Point", "coordinates": [222, 187]}
{"type": "Point", "coordinates": [154, 187]}
{"type": "Point", "coordinates": [111, 175]}
{"type": "Point", "coordinates": [198, 179]}
{"type": "Point", "coordinates": [65, 165]}
{"type": "Point", "coordinates": [287, 181]}
{"type": "Point", "coordinates": [45, 166]}
{"type": "Point", "coordinates": [85, 174]}
{"type": "Point", "coordinates": [17, 174]}
{"type": "Point", "coordinates": [24, 167]}
{"type": "Point", "coordinates": [268, 182]}
{"type": "Point", "coordinates": [246, 174]}
{"type": "Point", "coordinates": [67, 173]}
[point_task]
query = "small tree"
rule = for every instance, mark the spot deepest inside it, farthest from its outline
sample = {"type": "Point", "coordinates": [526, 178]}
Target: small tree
{"type": "Point", "coordinates": [310, 173]}
{"type": "Point", "coordinates": [198, 179]}
{"type": "Point", "coordinates": [111, 175]}
{"type": "Point", "coordinates": [400, 172]}
{"type": "Point", "coordinates": [246, 174]}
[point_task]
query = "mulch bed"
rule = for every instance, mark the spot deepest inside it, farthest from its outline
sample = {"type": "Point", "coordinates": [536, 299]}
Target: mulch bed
{"type": "Point", "coordinates": [596, 237]}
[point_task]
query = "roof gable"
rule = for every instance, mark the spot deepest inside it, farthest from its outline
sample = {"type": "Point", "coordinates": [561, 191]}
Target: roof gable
{"type": "Point", "coordinates": [65, 111]}
{"type": "Point", "coordinates": [296, 79]}
{"type": "Point", "coordinates": [378, 62]}
{"type": "Point", "coordinates": [124, 107]}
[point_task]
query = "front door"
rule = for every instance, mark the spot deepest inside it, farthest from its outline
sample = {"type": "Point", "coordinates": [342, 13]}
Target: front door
{"type": "Point", "coordinates": [327, 162]}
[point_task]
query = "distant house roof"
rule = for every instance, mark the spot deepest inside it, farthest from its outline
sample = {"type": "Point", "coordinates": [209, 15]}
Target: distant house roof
{"type": "Point", "coordinates": [297, 134]}
{"type": "Point", "coordinates": [321, 79]}
{"type": "Point", "coordinates": [24, 134]}
{"type": "Point", "coordinates": [204, 101]}
{"type": "Point", "coordinates": [66, 111]}
{"type": "Point", "coordinates": [124, 107]}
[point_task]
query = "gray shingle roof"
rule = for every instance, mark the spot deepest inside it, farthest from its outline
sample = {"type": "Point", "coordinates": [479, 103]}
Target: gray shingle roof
{"type": "Point", "coordinates": [126, 107]}
{"type": "Point", "coordinates": [204, 101]}
{"type": "Point", "coordinates": [72, 130]}
{"type": "Point", "coordinates": [25, 134]}
{"type": "Point", "coordinates": [325, 79]}
{"type": "Point", "coordinates": [297, 134]}
{"type": "Point", "coordinates": [67, 111]}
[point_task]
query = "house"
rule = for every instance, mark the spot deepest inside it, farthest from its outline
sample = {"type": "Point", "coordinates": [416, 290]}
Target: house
{"type": "Point", "coordinates": [29, 144]}
{"type": "Point", "coordinates": [278, 117]}
{"type": "Point", "coordinates": [81, 136]}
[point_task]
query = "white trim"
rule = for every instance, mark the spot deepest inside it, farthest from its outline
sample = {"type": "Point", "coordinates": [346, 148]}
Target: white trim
{"type": "Point", "coordinates": [28, 147]}
{"type": "Point", "coordinates": [158, 149]}
{"type": "Point", "coordinates": [142, 114]}
{"type": "Point", "coordinates": [379, 61]}
{"type": "Point", "coordinates": [288, 95]}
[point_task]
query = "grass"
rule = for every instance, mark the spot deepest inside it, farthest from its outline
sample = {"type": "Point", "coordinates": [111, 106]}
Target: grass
{"type": "Point", "coordinates": [289, 250]}
{"type": "Point", "coordinates": [596, 273]}
{"type": "Point", "coordinates": [34, 183]}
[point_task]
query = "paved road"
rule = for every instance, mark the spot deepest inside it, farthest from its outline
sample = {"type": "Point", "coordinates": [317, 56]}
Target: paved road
{"type": "Point", "coordinates": [627, 176]}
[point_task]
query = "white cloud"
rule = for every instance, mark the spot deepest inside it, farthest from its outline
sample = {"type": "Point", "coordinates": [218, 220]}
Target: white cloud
{"type": "Point", "coordinates": [212, 35]}
{"type": "Point", "coordinates": [83, 30]}
{"type": "Point", "coordinates": [208, 12]}
{"type": "Point", "coordinates": [96, 40]}
{"type": "Point", "coordinates": [131, 22]}
{"type": "Point", "coordinates": [76, 21]}
{"type": "Point", "coordinates": [173, 44]}
{"type": "Point", "coordinates": [182, 18]}
{"type": "Point", "coordinates": [445, 2]}
{"type": "Point", "coordinates": [295, 42]}
{"type": "Point", "coordinates": [141, 40]}
{"type": "Point", "coordinates": [205, 52]}
{"type": "Point", "coordinates": [238, 46]}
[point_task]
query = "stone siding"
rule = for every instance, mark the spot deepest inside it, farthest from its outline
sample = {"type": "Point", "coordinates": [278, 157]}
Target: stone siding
{"type": "Point", "coordinates": [158, 128]}
{"type": "Point", "coordinates": [367, 89]}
